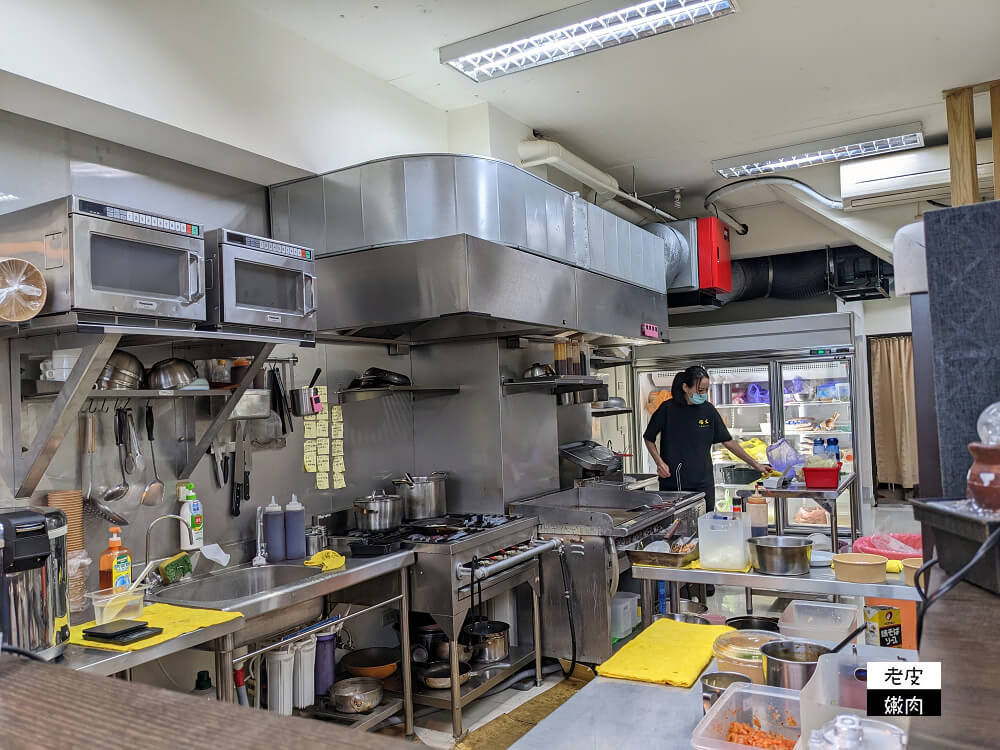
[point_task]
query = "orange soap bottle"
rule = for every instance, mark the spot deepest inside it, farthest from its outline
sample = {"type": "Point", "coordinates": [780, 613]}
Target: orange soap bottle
{"type": "Point", "coordinates": [116, 563]}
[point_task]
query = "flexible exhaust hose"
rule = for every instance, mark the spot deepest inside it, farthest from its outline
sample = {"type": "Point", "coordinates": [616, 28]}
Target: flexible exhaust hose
{"type": "Point", "coordinates": [568, 594]}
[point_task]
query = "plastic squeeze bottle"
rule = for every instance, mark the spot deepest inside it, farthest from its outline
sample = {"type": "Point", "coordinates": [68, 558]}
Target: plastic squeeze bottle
{"type": "Point", "coordinates": [295, 530]}
{"type": "Point", "coordinates": [274, 531]}
{"type": "Point", "coordinates": [191, 512]}
{"type": "Point", "coordinates": [757, 506]}
{"type": "Point", "coordinates": [115, 565]}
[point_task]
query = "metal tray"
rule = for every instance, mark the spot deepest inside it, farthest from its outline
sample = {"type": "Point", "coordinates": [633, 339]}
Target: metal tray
{"type": "Point", "coordinates": [638, 555]}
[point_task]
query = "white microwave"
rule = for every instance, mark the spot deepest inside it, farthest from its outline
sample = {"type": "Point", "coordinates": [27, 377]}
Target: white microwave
{"type": "Point", "coordinates": [260, 282]}
{"type": "Point", "coordinates": [98, 256]}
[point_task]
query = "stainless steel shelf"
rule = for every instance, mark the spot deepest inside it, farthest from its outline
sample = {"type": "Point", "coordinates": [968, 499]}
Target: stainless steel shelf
{"type": "Point", "coordinates": [609, 412]}
{"type": "Point", "coordinates": [556, 385]}
{"type": "Point", "coordinates": [350, 395]}
{"type": "Point", "coordinates": [124, 393]}
{"type": "Point", "coordinates": [389, 707]}
{"type": "Point", "coordinates": [603, 363]}
{"type": "Point", "coordinates": [519, 657]}
{"type": "Point", "coordinates": [741, 406]}
{"type": "Point", "coordinates": [817, 403]}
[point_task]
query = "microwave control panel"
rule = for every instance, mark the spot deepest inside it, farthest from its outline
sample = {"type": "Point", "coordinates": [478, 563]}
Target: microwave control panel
{"type": "Point", "coordinates": [268, 246]}
{"type": "Point", "coordinates": [116, 213]}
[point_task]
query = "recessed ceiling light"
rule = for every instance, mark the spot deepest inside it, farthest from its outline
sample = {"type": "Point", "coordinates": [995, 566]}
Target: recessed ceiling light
{"type": "Point", "coordinates": [853, 146]}
{"type": "Point", "coordinates": [577, 30]}
{"type": "Point", "coordinates": [9, 197]}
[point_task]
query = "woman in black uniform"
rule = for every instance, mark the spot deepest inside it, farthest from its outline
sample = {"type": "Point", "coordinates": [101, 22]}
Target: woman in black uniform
{"type": "Point", "coordinates": [688, 426]}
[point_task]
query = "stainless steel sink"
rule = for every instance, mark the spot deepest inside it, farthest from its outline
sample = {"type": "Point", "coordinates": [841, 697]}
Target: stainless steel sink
{"type": "Point", "coordinates": [250, 590]}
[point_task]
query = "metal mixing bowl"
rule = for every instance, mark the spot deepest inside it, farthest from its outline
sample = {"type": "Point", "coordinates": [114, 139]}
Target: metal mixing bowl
{"type": "Point", "coordinates": [780, 555]}
{"type": "Point", "coordinates": [170, 374]}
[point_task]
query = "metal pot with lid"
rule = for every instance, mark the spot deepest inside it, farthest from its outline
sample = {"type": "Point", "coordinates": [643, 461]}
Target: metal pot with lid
{"type": "Point", "coordinates": [423, 496]}
{"type": "Point", "coordinates": [378, 511]}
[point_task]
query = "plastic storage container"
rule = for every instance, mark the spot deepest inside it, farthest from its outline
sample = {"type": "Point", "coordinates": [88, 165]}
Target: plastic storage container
{"type": "Point", "coordinates": [769, 709]}
{"type": "Point", "coordinates": [110, 605]}
{"type": "Point", "coordinates": [739, 651]}
{"type": "Point", "coordinates": [852, 732]}
{"type": "Point", "coordinates": [624, 614]}
{"type": "Point", "coordinates": [818, 621]}
{"type": "Point", "coordinates": [838, 686]}
{"type": "Point", "coordinates": [822, 478]}
{"type": "Point", "coordinates": [722, 540]}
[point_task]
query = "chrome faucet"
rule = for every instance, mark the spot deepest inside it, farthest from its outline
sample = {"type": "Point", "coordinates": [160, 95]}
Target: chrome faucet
{"type": "Point", "coordinates": [149, 529]}
{"type": "Point", "coordinates": [261, 557]}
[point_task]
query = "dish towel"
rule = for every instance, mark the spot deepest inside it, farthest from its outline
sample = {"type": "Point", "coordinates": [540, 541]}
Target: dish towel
{"type": "Point", "coordinates": [667, 653]}
{"type": "Point", "coordinates": [174, 620]}
{"type": "Point", "coordinates": [327, 559]}
{"type": "Point", "coordinates": [696, 565]}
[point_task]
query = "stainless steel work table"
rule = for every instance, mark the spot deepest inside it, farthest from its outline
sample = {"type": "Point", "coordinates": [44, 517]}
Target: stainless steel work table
{"type": "Point", "coordinates": [827, 499]}
{"type": "Point", "coordinates": [102, 662]}
{"type": "Point", "coordinates": [818, 581]}
{"type": "Point", "coordinates": [620, 715]}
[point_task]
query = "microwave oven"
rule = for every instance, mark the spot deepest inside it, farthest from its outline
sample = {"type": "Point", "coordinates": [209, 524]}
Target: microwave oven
{"type": "Point", "coordinates": [259, 282]}
{"type": "Point", "coordinates": [102, 257]}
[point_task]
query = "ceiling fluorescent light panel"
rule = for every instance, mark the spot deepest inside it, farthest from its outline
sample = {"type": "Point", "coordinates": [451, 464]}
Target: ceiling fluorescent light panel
{"type": "Point", "coordinates": [577, 30]}
{"type": "Point", "coordinates": [853, 146]}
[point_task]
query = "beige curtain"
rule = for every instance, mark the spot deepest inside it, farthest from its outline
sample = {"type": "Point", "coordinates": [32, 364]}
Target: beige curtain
{"type": "Point", "coordinates": [894, 410]}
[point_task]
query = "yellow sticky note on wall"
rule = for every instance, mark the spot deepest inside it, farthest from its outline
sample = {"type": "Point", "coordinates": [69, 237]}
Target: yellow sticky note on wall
{"type": "Point", "coordinates": [322, 391]}
{"type": "Point", "coordinates": [322, 462]}
{"type": "Point", "coordinates": [309, 462]}
{"type": "Point", "coordinates": [336, 414]}
{"type": "Point", "coordinates": [309, 429]}
{"type": "Point", "coordinates": [310, 418]}
{"type": "Point", "coordinates": [322, 481]}
{"type": "Point", "coordinates": [336, 447]}
{"type": "Point", "coordinates": [338, 481]}
{"type": "Point", "coordinates": [337, 430]}
{"type": "Point", "coordinates": [322, 429]}
{"type": "Point", "coordinates": [338, 464]}
{"type": "Point", "coordinates": [323, 446]}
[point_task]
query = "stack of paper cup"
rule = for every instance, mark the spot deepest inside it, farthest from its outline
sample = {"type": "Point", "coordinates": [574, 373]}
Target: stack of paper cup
{"type": "Point", "coordinates": [70, 502]}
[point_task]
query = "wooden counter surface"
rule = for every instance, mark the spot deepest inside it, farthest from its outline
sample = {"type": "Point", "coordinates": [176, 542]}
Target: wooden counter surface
{"type": "Point", "coordinates": [44, 705]}
{"type": "Point", "coordinates": [960, 632]}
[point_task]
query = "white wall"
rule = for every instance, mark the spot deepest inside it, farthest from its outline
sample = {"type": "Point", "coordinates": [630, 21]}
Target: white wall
{"type": "Point", "coordinates": [220, 74]}
{"type": "Point", "coordinates": [887, 316]}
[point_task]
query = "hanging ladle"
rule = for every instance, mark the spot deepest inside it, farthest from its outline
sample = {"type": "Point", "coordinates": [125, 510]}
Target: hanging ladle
{"type": "Point", "coordinates": [153, 494]}
{"type": "Point", "coordinates": [120, 490]}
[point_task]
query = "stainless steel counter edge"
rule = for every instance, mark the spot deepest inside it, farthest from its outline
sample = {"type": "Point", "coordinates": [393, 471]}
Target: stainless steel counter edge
{"type": "Point", "coordinates": [355, 570]}
{"type": "Point", "coordinates": [100, 662]}
{"type": "Point", "coordinates": [819, 581]}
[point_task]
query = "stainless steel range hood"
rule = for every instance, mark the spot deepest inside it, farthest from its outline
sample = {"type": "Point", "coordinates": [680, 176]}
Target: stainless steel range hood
{"type": "Point", "coordinates": [438, 246]}
{"type": "Point", "coordinates": [464, 287]}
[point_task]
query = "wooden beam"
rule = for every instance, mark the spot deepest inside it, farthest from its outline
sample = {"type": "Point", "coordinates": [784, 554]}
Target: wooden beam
{"type": "Point", "coordinates": [995, 120]}
{"type": "Point", "coordinates": [977, 88]}
{"type": "Point", "coordinates": [962, 147]}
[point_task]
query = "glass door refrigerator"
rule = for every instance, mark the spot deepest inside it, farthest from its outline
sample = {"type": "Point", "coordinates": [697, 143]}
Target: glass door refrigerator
{"type": "Point", "coordinates": [761, 399]}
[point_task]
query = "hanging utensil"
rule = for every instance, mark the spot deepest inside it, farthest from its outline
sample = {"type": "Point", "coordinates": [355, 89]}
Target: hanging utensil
{"type": "Point", "coordinates": [247, 463]}
{"type": "Point", "coordinates": [153, 494]}
{"type": "Point", "coordinates": [236, 497]}
{"type": "Point", "coordinates": [133, 454]}
{"type": "Point", "coordinates": [94, 494]}
{"type": "Point", "coordinates": [120, 490]}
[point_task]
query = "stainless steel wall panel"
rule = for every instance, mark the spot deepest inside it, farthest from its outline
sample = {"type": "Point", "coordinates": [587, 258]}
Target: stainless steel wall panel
{"type": "Point", "coordinates": [429, 182]}
{"type": "Point", "coordinates": [506, 283]}
{"type": "Point", "coordinates": [383, 196]}
{"type": "Point", "coordinates": [596, 247]}
{"type": "Point", "coordinates": [278, 199]}
{"type": "Point", "coordinates": [344, 215]}
{"type": "Point", "coordinates": [513, 227]}
{"type": "Point", "coordinates": [306, 213]}
{"type": "Point", "coordinates": [477, 198]}
{"type": "Point", "coordinates": [579, 231]}
{"type": "Point", "coordinates": [535, 215]}
{"type": "Point", "coordinates": [559, 225]}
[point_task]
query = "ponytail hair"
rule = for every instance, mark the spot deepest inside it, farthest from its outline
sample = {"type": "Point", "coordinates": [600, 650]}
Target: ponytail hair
{"type": "Point", "coordinates": [690, 378]}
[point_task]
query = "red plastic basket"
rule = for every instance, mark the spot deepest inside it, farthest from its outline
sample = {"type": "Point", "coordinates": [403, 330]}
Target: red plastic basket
{"type": "Point", "coordinates": [822, 478]}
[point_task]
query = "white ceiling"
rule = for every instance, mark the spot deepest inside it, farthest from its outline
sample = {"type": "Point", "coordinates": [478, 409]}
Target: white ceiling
{"type": "Point", "coordinates": [776, 73]}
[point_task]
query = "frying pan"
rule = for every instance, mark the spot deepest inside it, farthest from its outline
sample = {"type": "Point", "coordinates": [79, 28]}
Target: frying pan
{"type": "Point", "coordinates": [371, 662]}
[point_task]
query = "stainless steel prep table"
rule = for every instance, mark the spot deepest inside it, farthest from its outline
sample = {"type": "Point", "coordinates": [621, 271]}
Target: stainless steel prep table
{"type": "Point", "coordinates": [620, 715]}
{"type": "Point", "coordinates": [102, 662]}
{"type": "Point", "coordinates": [818, 581]}
{"type": "Point", "coordinates": [826, 499]}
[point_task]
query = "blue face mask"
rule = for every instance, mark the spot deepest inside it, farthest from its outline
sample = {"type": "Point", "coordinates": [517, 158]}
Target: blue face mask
{"type": "Point", "coordinates": [698, 398]}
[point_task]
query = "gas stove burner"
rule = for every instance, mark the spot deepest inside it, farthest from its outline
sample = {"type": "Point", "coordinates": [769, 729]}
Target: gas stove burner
{"type": "Point", "coordinates": [471, 521]}
{"type": "Point", "coordinates": [445, 535]}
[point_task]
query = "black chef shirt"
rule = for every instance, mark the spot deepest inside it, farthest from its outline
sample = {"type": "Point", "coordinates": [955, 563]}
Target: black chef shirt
{"type": "Point", "coordinates": [688, 433]}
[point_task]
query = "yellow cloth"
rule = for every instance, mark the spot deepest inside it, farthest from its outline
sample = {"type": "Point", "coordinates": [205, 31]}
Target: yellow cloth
{"type": "Point", "coordinates": [667, 653]}
{"type": "Point", "coordinates": [891, 566]}
{"type": "Point", "coordinates": [174, 620]}
{"type": "Point", "coordinates": [327, 559]}
{"type": "Point", "coordinates": [696, 565]}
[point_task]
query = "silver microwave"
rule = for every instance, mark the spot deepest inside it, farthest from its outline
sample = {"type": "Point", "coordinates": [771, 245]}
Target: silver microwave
{"type": "Point", "coordinates": [257, 281]}
{"type": "Point", "coordinates": [98, 256]}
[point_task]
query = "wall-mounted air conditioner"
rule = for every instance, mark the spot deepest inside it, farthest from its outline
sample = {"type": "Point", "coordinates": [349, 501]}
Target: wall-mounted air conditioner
{"type": "Point", "coordinates": [909, 176]}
